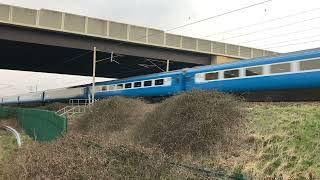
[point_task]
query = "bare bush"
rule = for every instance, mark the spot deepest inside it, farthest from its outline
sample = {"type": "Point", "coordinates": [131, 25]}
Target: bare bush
{"type": "Point", "coordinates": [197, 122]}
{"type": "Point", "coordinates": [194, 123]}
{"type": "Point", "coordinates": [81, 157]}
{"type": "Point", "coordinates": [110, 115]}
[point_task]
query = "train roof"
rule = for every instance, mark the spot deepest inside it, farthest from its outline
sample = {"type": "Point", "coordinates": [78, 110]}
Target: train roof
{"type": "Point", "coordinates": [305, 54]}
{"type": "Point", "coordinates": [142, 77]}
{"type": "Point", "coordinates": [292, 56]}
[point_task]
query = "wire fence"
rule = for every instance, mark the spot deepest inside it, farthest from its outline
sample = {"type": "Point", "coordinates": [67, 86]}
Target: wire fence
{"type": "Point", "coordinates": [40, 125]}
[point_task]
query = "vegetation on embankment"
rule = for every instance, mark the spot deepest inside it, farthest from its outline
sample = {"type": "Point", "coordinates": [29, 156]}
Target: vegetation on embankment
{"type": "Point", "coordinates": [8, 143]}
{"type": "Point", "coordinates": [193, 123]}
{"type": "Point", "coordinates": [201, 135]}
{"type": "Point", "coordinates": [102, 144]}
{"type": "Point", "coordinates": [53, 106]}
{"type": "Point", "coordinates": [285, 141]}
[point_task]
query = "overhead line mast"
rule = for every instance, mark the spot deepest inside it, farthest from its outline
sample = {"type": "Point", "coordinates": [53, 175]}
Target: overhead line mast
{"type": "Point", "coordinates": [93, 91]}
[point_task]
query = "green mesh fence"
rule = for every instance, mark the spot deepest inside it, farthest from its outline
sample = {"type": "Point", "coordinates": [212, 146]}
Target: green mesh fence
{"type": "Point", "coordinates": [7, 112]}
{"type": "Point", "coordinates": [41, 125]}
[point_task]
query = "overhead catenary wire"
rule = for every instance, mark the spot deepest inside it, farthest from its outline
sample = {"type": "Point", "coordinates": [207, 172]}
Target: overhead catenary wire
{"type": "Point", "coordinates": [109, 58]}
{"type": "Point", "coordinates": [272, 28]}
{"type": "Point", "coordinates": [182, 26]}
{"type": "Point", "coordinates": [74, 58]}
{"type": "Point", "coordinates": [279, 35]}
{"type": "Point", "coordinates": [27, 77]}
{"type": "Point", "coordinates": [292, 40]}
{"type": "Point", "coordinates": [155, 65]}
{"type": "Point", "coordinates": [60, 78]}
{"type": "Point", "coordinates": [121, 73]}
{"type": "Point", "coordinates": [262, 22]}
{"type": "Point", "coordinates": [125, 73]}
{"type": "Point", "coordinates": [89, 81]}
{"type": "Point", "coordinates": [198, 21]}
{"type": "Point", "coordinates": [66, 61]}
{"type": "Point", "coordinates": [70, 60]}
{"type": "Point", "coordinates": [219, 15]}
{"type": "Point", "coordinates": [305, 42]}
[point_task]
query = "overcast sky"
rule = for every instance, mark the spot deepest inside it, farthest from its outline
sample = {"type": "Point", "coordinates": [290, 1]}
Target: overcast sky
{"type": "Point", "coordinates": [299, 30]}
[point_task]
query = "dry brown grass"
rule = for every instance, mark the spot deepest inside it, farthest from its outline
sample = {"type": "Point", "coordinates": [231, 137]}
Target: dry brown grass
{"type": "Point", "coordinates": [82, 157]}
{"type": "Point", "coordinates": [193, 123]}
{"type": "Point", "coordinates": [12, 122]}
{"type": "Point", "coordinates": [53, 106]}
{"type": "Point", "coordinates": [8, 142]}
{"type": "Point", "coordinates": [102, 143]}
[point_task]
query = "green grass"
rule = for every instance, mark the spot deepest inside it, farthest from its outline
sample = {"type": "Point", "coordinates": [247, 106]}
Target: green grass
{"type": "Point", "coordinates": [8, 144]}
{"type": "Point", "coordinates": [284, 140]}
{"type": "Point", "coordinates": [289, 139]}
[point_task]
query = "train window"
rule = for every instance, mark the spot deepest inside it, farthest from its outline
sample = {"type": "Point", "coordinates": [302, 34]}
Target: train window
{"type": "Point", "coordinates": [159, 82]}
{"type": "Point", "coordinates": [112, 87]}
{"type": "Point", "coordinates": [147, 83]}
{"type": "Point", "coordinates": [280, 68]}
{"type": "Point", "coordinates": [212, 76]}
{"type": "Point", "coordinates": [119, 86]}
{"type": "Point", "coordinates": [310, 64]}
{"type": "Point", "coordinates": [254, 71]}
{"type": "Point", "coordinates": [231, 74]}
{"type": "Point", "coordinates": [128, 85]}
{"type": "Point", "coordinates": [104, 88]}
{"type": "Point", "coordinates": [137, 84]}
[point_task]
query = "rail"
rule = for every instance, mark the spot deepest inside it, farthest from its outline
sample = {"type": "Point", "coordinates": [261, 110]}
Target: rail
{"type": "Point", "coordinates": [79, 102]}
{"type": "Point", "coordinates": [64, 110]}
{"type": "Point", "coordinates": [14, 132]}
{"type": "Point", "coordinates": [75, 107]}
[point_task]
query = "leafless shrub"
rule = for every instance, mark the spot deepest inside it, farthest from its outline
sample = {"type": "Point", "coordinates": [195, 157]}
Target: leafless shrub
{"type": "Point", "coordinates": [81, 157]}
{"type": "Point", "coordinates": [195, 123]}
{"type": "Point", "coordinates": [110, 115]}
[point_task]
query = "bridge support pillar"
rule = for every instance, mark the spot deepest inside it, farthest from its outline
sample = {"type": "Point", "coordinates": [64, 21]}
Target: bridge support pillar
{"type": "Point", "coordinates": [217, 59]}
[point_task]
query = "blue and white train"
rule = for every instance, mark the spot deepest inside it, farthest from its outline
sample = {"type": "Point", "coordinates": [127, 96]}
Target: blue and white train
{"type": "Point", "coordinates": [288, 72]}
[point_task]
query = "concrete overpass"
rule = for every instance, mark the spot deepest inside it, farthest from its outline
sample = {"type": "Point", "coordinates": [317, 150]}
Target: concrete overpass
{"type": "Point", "coordinates": [45, 41]}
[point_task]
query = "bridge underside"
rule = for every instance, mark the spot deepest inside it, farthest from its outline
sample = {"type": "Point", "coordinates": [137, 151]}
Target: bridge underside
{"type": "Point", "coordinates": [51, 59]}
{"type": "Point", "coordinates": [44, 51]}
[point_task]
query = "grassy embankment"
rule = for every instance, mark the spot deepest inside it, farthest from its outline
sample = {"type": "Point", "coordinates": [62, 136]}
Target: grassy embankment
{"type": "Point", "coordinates": [287, 140]}
{"type": "Point", "coordinates": [8, 142]}
{"type": "Point", "coordinates": [132, 138]}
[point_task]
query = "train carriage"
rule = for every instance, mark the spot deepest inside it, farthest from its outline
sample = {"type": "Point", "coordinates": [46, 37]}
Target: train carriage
{"type": "Point", "coordinates": [64, 94]}
{"type": "Point", "coordinates": [11, 100]}
{"type": "Point", "coordinates": [294, 73]}
{"type": "Point", "coordinates": [36, 97]}
{"type": "Point", "coordinates": [286, 72]}
{"type": "Point", "coordinates": [161, 84]}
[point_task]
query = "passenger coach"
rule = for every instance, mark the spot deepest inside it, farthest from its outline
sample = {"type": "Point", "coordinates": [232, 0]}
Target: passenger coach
{"type": "Point", "coordinates": [284, 72]}
{"type": "Point", "coordinates": [287, 72]}
{"type": "Point", "coordinates": [161, 84]}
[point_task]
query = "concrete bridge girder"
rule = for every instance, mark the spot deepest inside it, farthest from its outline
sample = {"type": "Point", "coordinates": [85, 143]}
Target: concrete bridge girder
{"type": "Point", "coordinates": [92, 27]}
